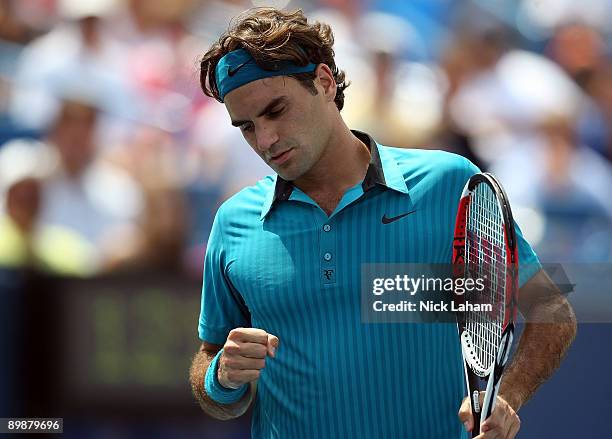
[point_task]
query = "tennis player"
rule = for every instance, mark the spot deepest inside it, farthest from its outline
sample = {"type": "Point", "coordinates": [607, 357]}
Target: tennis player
{"type": "Point", "coordinates": [280, 320]}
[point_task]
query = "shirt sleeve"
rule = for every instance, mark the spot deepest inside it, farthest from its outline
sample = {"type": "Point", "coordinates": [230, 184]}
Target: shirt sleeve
{"type": "Point", "coordinates": [529, 264]}
{"type": "Point", "coordinates": [221, 309]}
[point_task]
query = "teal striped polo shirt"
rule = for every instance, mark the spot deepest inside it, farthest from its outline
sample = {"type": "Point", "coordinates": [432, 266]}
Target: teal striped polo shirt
{"type": "Point", "coordinates": [276, 261]}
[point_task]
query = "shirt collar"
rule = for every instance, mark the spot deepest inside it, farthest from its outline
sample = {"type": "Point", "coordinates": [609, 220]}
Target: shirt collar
{"type": "Point", "coordinates": [383, 170]}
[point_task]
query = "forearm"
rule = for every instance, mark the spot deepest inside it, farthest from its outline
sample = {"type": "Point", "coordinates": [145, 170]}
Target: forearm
{"type": "Point", "coordinates": [548, 333]}
{"type": "Point", "coordinates": [199, 366]}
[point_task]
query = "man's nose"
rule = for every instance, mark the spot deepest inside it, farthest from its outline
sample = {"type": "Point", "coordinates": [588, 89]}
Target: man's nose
{"type": "Point", "coordinates": [266, 136]}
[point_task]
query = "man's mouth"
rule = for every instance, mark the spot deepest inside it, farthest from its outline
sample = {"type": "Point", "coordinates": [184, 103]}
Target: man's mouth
{"type": "Point", "coordinates": [280, 158]}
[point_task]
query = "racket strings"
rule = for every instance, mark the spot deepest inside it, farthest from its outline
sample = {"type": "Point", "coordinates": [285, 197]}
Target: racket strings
{"type": "Point", "coordinates": [486, 259]}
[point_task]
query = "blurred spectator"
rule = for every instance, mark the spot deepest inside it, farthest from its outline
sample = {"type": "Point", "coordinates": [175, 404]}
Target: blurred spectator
{"type": "Point", "coordinates": [469, 63]}
{"type": "Point", "coordinates": [86, 193]}
{"type": "Point", "coordinates": [560, 185]}
{"type": "Point", "coordinates": [24, 240]}
{"type": "Point", "coordinates": [595, 124]}
{"type": "Point", "coordinates": [8, 128]}
{"type": "Point", "coordinates": [160, 244]}
{"type": "Point", "coordinates": [160, 56]}
{"type": "Point", "coordinates": [214, 16]}
{"type": "Point", "coordinates": [518, 112]}
{"type": "Point", "coordinates": [12, 27]}
{"type": "Point", "coordinates": [401, 103]}
{"type": "Point", "coordinates": [159, 237]}
{"type": "Point", "coordinates": [150, 17]}
{"type": "Point", "coordinates": [578, 49]}
{"type": "Point", "coordinates": [14, 31]}
{"type": "Point", "coordinates": [91, 64]}
{"type": "Point", "coordinates": [499, 107]}
{"type": "Point", "coordinates": [395, 100]}
{"type": "Point", "coordinates": [538, 19]}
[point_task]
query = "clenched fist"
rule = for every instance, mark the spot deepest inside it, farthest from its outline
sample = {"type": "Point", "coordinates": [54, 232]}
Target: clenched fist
{"type": "Point", "coordinates": [244, 355]}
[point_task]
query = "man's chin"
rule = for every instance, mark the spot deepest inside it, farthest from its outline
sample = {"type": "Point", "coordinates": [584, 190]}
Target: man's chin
{"type": "Point", "coordinates": [286, 174]}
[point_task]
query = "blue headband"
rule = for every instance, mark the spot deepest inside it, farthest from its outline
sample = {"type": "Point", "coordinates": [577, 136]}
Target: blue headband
{"type": "Point", "coordinates": [238, 68]}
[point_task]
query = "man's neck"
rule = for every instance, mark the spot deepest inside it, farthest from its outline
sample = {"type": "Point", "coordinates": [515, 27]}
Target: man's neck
{"type": "Point", "coordinates": [343, 164]}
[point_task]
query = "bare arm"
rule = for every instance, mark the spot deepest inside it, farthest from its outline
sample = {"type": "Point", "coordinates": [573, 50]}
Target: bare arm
{"type": "Point", "coordinates": [549, 330]}
{"type": "Point", "coordinates": [199, 366]}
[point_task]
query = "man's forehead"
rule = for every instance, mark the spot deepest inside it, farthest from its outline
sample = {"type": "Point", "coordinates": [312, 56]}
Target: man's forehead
{"type": "Point", "coordinates": [256, 95]}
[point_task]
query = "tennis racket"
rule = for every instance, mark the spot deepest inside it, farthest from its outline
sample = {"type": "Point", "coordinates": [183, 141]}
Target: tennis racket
{"type": "Point", "coordinates": [484, 247]}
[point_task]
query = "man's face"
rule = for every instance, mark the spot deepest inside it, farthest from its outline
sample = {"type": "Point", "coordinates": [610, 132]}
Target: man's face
{"type": "Point", "coordinates": [73, 135]}
{"type": "Point", "coordinates": [283, 122]}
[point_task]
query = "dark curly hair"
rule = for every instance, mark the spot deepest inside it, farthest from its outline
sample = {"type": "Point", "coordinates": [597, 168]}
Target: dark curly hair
{"type": "Point", "coordinates": [270, 35]}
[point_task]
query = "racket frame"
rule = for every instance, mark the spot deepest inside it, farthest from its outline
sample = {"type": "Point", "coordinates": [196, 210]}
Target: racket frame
{"type": "Point", "coordinates": [474, 372]}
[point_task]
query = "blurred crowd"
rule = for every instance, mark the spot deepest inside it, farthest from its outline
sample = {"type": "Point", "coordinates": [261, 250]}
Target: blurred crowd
{"type": "Point", "coordinates": [112, 159]}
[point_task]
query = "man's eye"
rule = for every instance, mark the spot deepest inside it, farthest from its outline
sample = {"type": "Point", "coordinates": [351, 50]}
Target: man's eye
{"type": "Point", "coordinates": [246, 127]}
{"type": "Point", "coordinates": [276, 113]}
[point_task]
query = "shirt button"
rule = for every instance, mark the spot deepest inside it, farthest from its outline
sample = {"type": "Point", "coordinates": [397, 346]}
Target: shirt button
{"type": "Point", "coordinates": [327, 227]}
{"type": "Point", "coordinates": [327, 256]}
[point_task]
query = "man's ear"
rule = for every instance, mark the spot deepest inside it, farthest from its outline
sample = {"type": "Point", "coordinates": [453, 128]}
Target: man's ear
{"type": "Point", "coordinates": [325, 78]}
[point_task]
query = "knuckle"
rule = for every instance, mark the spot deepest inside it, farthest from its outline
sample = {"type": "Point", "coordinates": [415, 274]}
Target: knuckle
{"type": "Point", "coordinates": [231, 347]}
{"type": "Point", "coordinates": [232, 343]}
{"type": "Point", "coordinates": [236, 332]}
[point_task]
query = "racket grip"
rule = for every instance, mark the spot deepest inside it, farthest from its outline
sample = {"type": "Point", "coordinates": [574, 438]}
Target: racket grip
{"type": "Point", "coordinates": [495, 378]}
{"type": "Point", "coordinates": [474, 393]}
{"type": "Point", "coordinates": [476, 415]}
